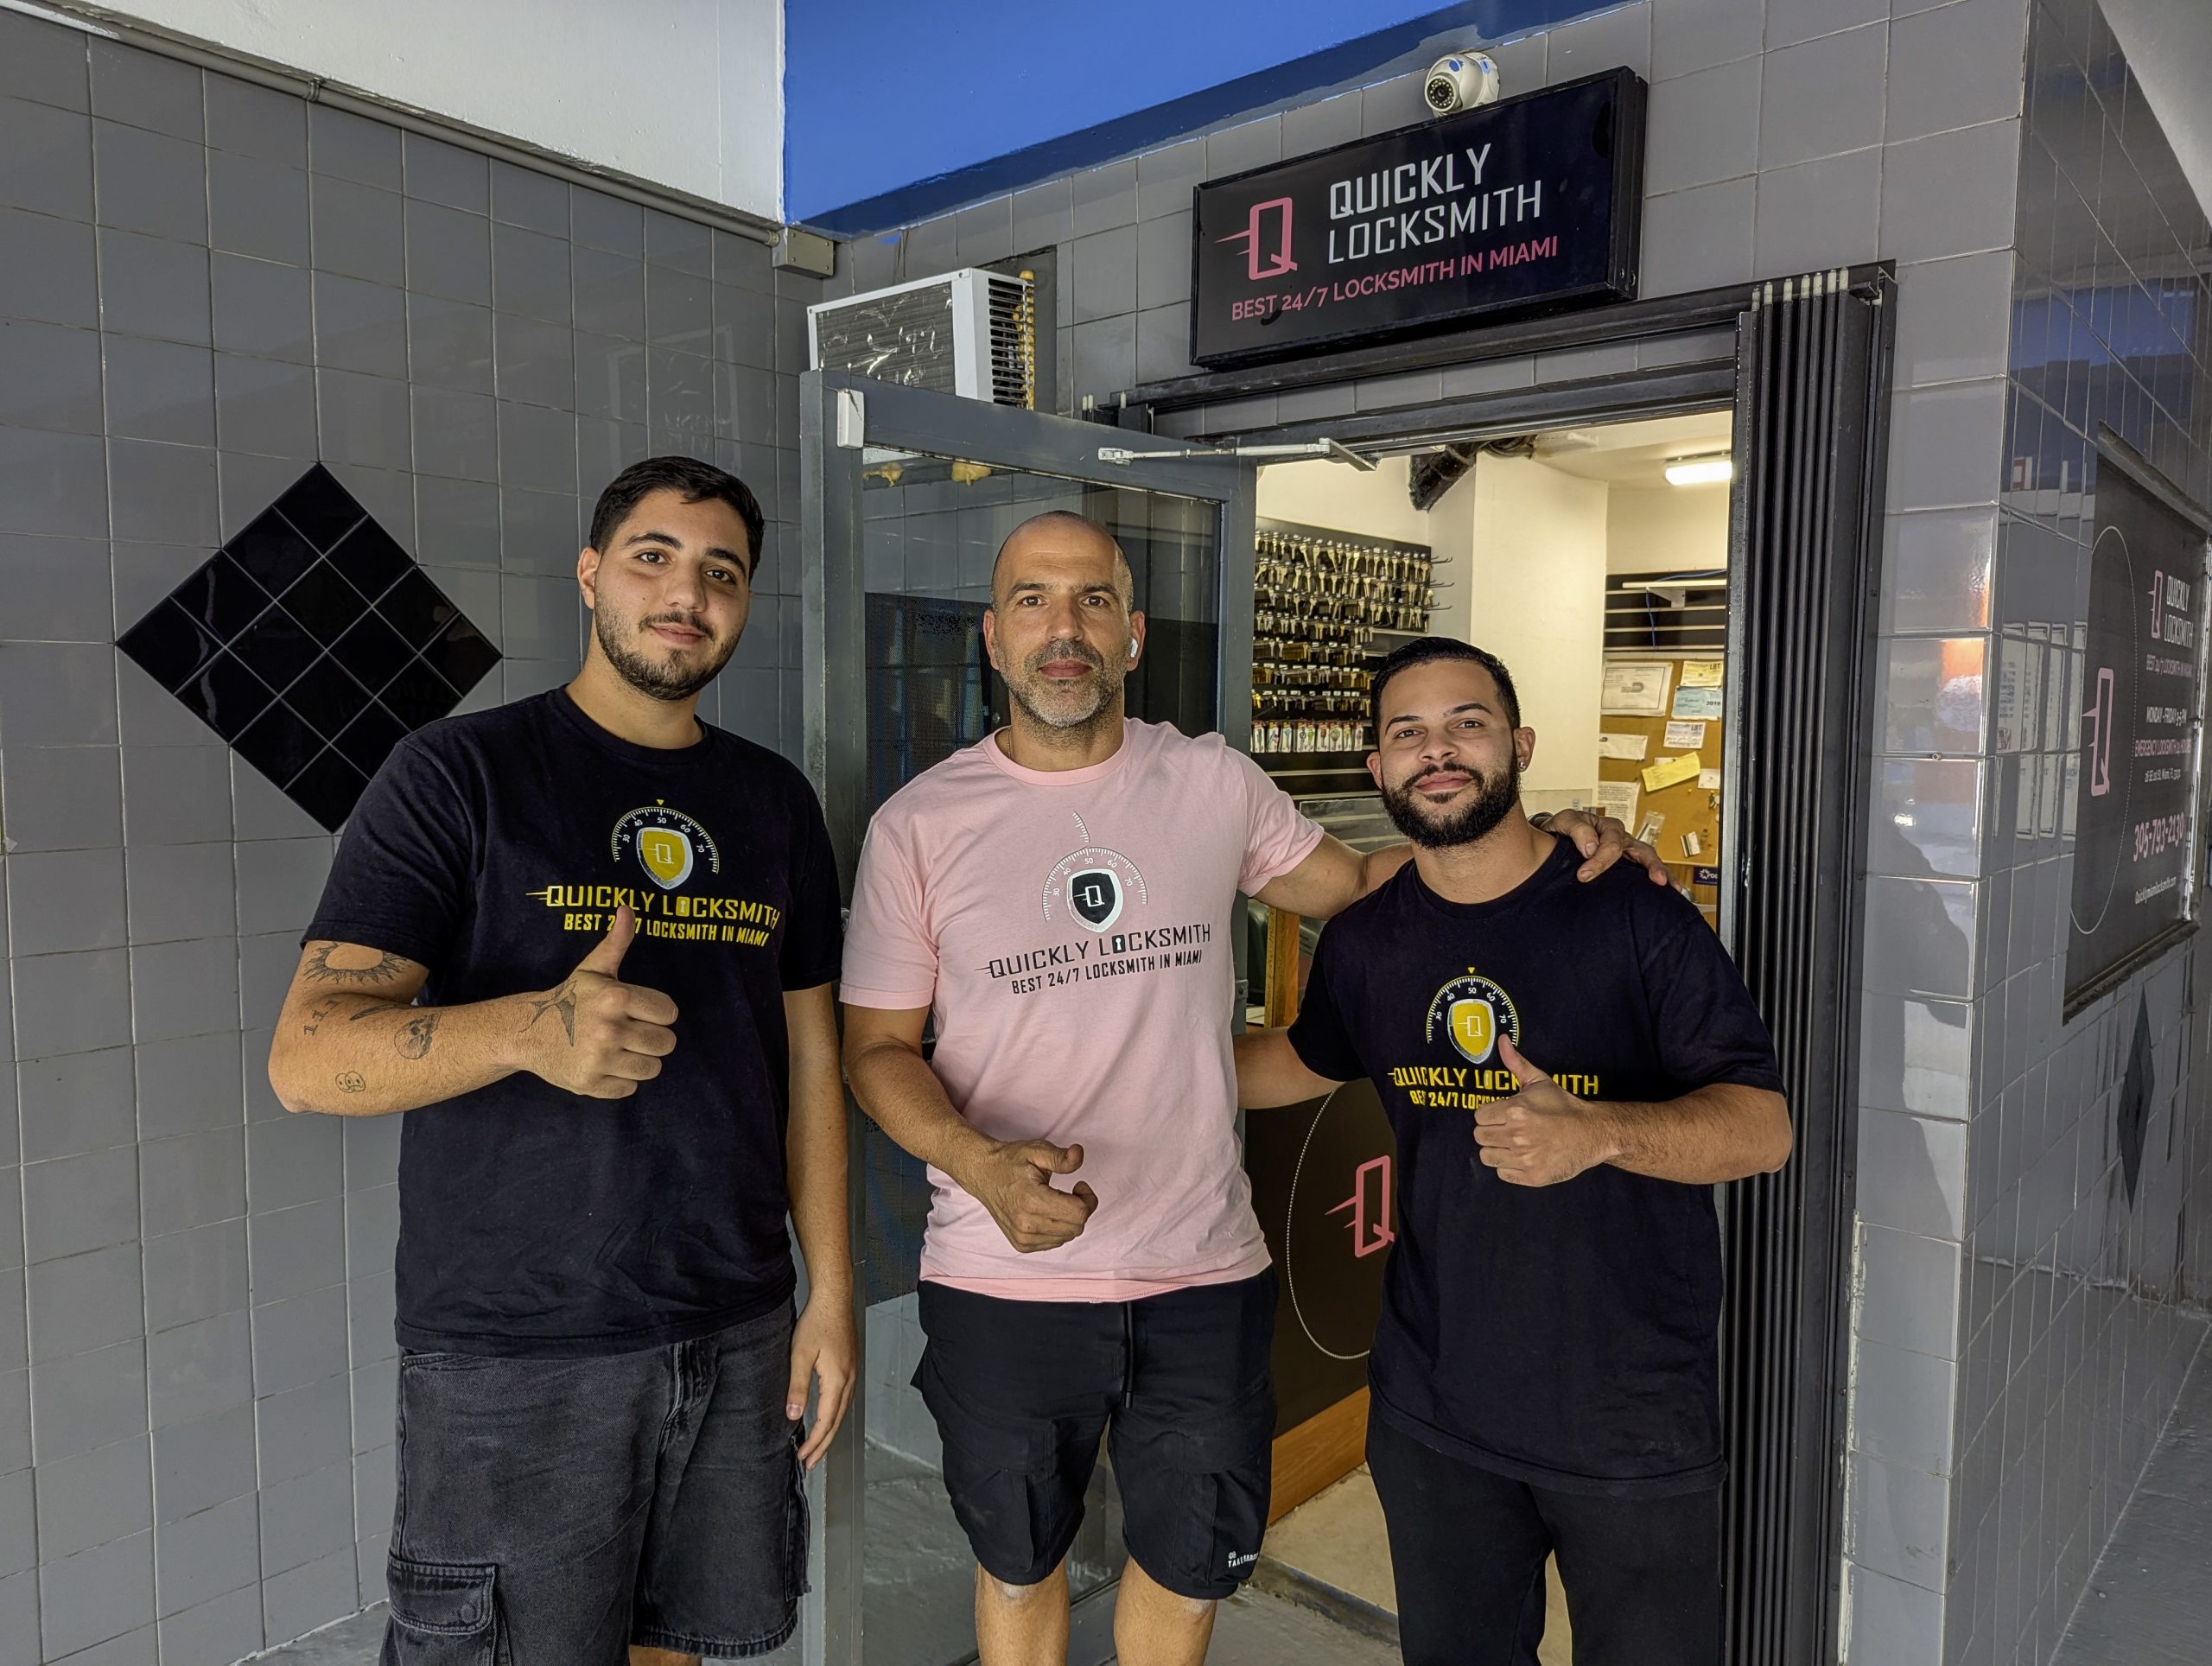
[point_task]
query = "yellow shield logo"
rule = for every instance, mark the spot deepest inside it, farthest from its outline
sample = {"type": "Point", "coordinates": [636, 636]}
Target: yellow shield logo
{"type": "Point", "coordinates": [1474, 1029]}
{"type": "Point", "coordinates": [666, 853]}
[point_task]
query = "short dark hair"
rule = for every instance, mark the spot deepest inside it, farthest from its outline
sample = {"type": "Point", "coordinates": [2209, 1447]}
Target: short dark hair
{"type": "Point", "coordinates": [696, 480]}
{"type": "Point", "coordinates": [1420, 651]}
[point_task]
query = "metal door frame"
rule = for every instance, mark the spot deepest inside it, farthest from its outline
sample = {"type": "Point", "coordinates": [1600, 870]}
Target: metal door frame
{"type": "Point", "coordinates": [840, 414]}
{"type": "Point", "coordinates": [1239, 407]}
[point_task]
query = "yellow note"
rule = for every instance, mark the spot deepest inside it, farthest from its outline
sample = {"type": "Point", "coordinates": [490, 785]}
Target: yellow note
{"type": "Point", "coordinates": [1702, 673]}
{"type": "Point", "coordinates": [1672, 772]}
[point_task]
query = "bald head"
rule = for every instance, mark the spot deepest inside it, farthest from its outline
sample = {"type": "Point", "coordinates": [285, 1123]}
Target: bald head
{"type": "Point", "coordinates": [1061, 532]}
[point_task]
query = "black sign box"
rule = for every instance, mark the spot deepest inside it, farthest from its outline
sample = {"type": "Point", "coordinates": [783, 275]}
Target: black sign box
{"type": "Point", "coordinates": [1533, 203]}
{"type": "Point", "coordinates": [2141, 703]}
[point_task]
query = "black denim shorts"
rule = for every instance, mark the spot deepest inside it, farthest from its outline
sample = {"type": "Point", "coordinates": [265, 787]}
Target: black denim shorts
{"type": "Point", "coordinates": [552, 1512]}
{"type": "Point", "coordinates": [1179, 1384]}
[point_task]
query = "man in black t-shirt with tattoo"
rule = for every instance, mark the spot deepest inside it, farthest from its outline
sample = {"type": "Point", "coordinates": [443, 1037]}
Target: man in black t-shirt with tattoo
{"type": "Point", "coordinates": [1545, 1367]}
{"type": "Point", "coordinates": [586, 943]}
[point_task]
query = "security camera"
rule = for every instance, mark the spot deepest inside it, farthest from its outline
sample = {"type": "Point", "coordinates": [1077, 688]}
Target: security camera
{"type": "Point", "coordinates": [1460, 81]}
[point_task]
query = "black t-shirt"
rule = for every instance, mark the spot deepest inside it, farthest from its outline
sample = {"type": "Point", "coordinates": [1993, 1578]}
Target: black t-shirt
{"type": "Point", "coordinates": [495, 848]}
{"type": "Point", "coordinates": [1563, 1335]}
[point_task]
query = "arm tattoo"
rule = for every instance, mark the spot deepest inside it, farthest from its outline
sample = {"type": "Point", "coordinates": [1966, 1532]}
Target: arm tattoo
{"type": "Point", "coordinates": [561, 1000]}
{"type": "Point", "coordinates": [316, 1013]}
{"type": "Point", "coordinates": [318, 969]}
{"type": "Point", "coordinates": [414, 1037]}
{"type": "Point", "coordinates": [351, 1081]}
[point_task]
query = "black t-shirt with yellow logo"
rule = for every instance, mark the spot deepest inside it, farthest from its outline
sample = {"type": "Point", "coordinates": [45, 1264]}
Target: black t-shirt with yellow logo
{"type": "Point", "coordinates": [495, 848]}
{"type": "Point", "coordinates": [1563, 1335]}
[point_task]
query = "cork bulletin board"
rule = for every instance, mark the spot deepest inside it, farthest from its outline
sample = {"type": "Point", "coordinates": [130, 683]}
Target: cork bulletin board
{"type": "Point", "coordinates": [1659, 756]}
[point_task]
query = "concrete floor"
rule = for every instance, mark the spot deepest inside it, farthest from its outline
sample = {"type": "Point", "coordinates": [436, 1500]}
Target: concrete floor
{"type": "Point", "coordinates": [918, 1591]}
{"type": "Point", "coordinates": [2149, 1603]}
{"type": "Point", "coordinates": [1252, 1630]}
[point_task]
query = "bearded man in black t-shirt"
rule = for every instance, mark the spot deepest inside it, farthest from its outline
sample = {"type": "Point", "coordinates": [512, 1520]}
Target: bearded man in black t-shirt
{"type": "Point", "coordinates": [1545, 1367]}
{"type": "Point", "coordinates": [586, 943]}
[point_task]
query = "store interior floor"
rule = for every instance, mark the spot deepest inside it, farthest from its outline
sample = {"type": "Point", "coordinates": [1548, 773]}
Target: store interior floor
{"type": "Point", "coordinates": [1332, 1553]}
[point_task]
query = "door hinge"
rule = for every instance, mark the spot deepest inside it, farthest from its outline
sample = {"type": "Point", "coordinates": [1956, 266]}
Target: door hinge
{"type": "Point", "coordinates": [852, 419]}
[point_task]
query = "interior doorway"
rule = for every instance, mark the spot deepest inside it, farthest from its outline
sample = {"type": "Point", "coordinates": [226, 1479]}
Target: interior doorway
{"type": "Point", "coordinates": [1594, 561]}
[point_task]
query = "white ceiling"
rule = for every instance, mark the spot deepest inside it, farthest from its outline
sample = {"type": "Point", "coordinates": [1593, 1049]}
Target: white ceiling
{"type": "Point", "coordinates": [1634, 453]}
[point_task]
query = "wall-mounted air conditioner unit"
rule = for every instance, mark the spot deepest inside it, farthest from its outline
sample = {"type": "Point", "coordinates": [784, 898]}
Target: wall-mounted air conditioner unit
{"type": "Point", "coordinates": [972, 333]}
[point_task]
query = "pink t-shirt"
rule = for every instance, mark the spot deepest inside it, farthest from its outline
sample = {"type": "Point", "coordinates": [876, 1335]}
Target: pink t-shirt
{"type": "Point", "coordinates": [1070, 931]}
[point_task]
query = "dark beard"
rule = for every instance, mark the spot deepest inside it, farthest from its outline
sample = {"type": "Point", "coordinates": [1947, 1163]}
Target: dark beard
{"type": "Point", "coordinates": [1469, 822]}
{"type": "Point", "coordinates": [660, 682]}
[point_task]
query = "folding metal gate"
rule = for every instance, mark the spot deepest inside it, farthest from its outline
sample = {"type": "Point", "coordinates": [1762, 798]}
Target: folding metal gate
{"type": "Point", "coordinates": [1813, 387]}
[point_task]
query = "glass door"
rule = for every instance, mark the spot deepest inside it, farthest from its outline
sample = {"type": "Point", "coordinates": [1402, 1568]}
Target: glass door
{"type": "Point", "coordinates": [907, 496]}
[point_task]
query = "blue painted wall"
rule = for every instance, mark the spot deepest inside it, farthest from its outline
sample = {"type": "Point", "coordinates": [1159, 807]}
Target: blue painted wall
{"type": "Point", "coordinates": [895, 110]}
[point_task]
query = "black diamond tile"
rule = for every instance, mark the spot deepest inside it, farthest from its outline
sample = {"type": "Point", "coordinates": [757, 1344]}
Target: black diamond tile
{"type": "Point", "coordinates": [322, 508]}
{"type": "Point", "coordinates": [462, 655]}
{"type": "Point", "coordinates": [315, 687]}
{"type": "Point", "coordinates": [327, 697]}
{"type": "Point", "coordinates": [169, 645]}
{"type": "Point", "coordinates": [278, 744]}
{"type": "Point", "coordinates": [277, 646]}
{"type": "Point", "coordinates": [418, 610]}
{"type": "Point", "coordinates": [372, 652]}
{"type": "Point", "coordinates": [419, 695]}
{"type": "Point", "coordinates": [370, 560]}
{"type": "Point", "coordinates": [225, 696]}
{"type": "Point", "coordinates": [371, 737]}
{"type": "Point", "coordinates": [272, 552]}
{"type": "Point", "coordinates": [325, 603]}
{"type": "Point", "coordinates": [221, 598]}
{"type": "Point", "coordinates": [327, 789]}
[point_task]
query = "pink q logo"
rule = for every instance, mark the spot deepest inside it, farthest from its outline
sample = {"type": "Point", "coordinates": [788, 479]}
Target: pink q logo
{"type": "Point", "coordinates": [1370, 1224]}
{"type": "Point", "coordinates": [1260, 261]}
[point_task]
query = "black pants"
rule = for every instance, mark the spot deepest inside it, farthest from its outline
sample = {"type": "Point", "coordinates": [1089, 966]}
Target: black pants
{"type": "Point", "coordinates": [1642, 1575]}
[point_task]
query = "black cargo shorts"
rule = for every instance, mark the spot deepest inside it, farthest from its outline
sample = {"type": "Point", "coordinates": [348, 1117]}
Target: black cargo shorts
{"type": "Point", "coordinates": [552, 1512]}
{"type": "Point", "coordinates": [1178, 1384]}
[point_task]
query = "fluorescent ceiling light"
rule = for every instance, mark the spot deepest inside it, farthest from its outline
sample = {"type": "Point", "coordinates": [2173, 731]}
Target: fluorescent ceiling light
{"type": "Point", "coordinates": [1701, 471]}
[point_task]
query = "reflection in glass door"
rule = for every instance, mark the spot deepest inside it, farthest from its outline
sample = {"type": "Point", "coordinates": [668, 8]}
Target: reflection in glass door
{"type": "Point", "coordinates": [932, 527]}
{"type": "Point", "coordinates": [908, 533]}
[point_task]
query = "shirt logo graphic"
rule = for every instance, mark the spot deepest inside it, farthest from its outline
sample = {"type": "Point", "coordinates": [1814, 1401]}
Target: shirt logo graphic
{"type": "Point", "coordinates": [1093, 884]}
{"type": "Point", "coordinates": [666, 853]}
{"type": "Point", "coordinates": [1096, 896]}
{"type": "Point", "coordinates": [1473, 1012]}
{"type": "Point", "coordinates": [669, 844]}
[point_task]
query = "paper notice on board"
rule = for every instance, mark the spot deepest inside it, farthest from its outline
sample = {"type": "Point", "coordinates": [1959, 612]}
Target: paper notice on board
{"type": "Point", "coordinates": [1618, 799]}
{"type": "Point", "coordinates": [1701, 673]}
{"type": "Point", "coordinates": [1690, 734]}
{"type": "Point", "coordinates": [1708, 780]}
{"type": "Point", "coordinates": [1637, 687]}
{"type": "Point", "coordinates": [1697, 702]}
{"type": "Point", "coordinates": [1634, 747]}
{"type": "Point", "coordinates": [1671, 772]}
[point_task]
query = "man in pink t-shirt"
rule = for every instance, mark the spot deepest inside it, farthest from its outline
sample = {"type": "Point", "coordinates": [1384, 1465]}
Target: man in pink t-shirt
{"type": "Point", "coordinates": [1059, 898]}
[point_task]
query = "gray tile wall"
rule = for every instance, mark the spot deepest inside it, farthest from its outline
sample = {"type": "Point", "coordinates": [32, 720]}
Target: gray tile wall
{"type": "Point", "coordinates": [203, 286]}
{"type": "Point", "coordinates": [1784, 136]}
{"type": "Point", "coordinates": [2079, 1309]}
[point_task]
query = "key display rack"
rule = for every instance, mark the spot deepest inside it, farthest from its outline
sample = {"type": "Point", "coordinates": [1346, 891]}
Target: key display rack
{"type": "Point", "coordinates": [1325, 606]}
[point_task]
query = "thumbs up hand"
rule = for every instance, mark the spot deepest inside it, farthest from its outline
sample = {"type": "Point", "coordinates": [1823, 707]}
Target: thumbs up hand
{"type": "Point", "coordinates": [1541, 1135]}
{"type": "Point", "coordinates": [595, 1034]}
